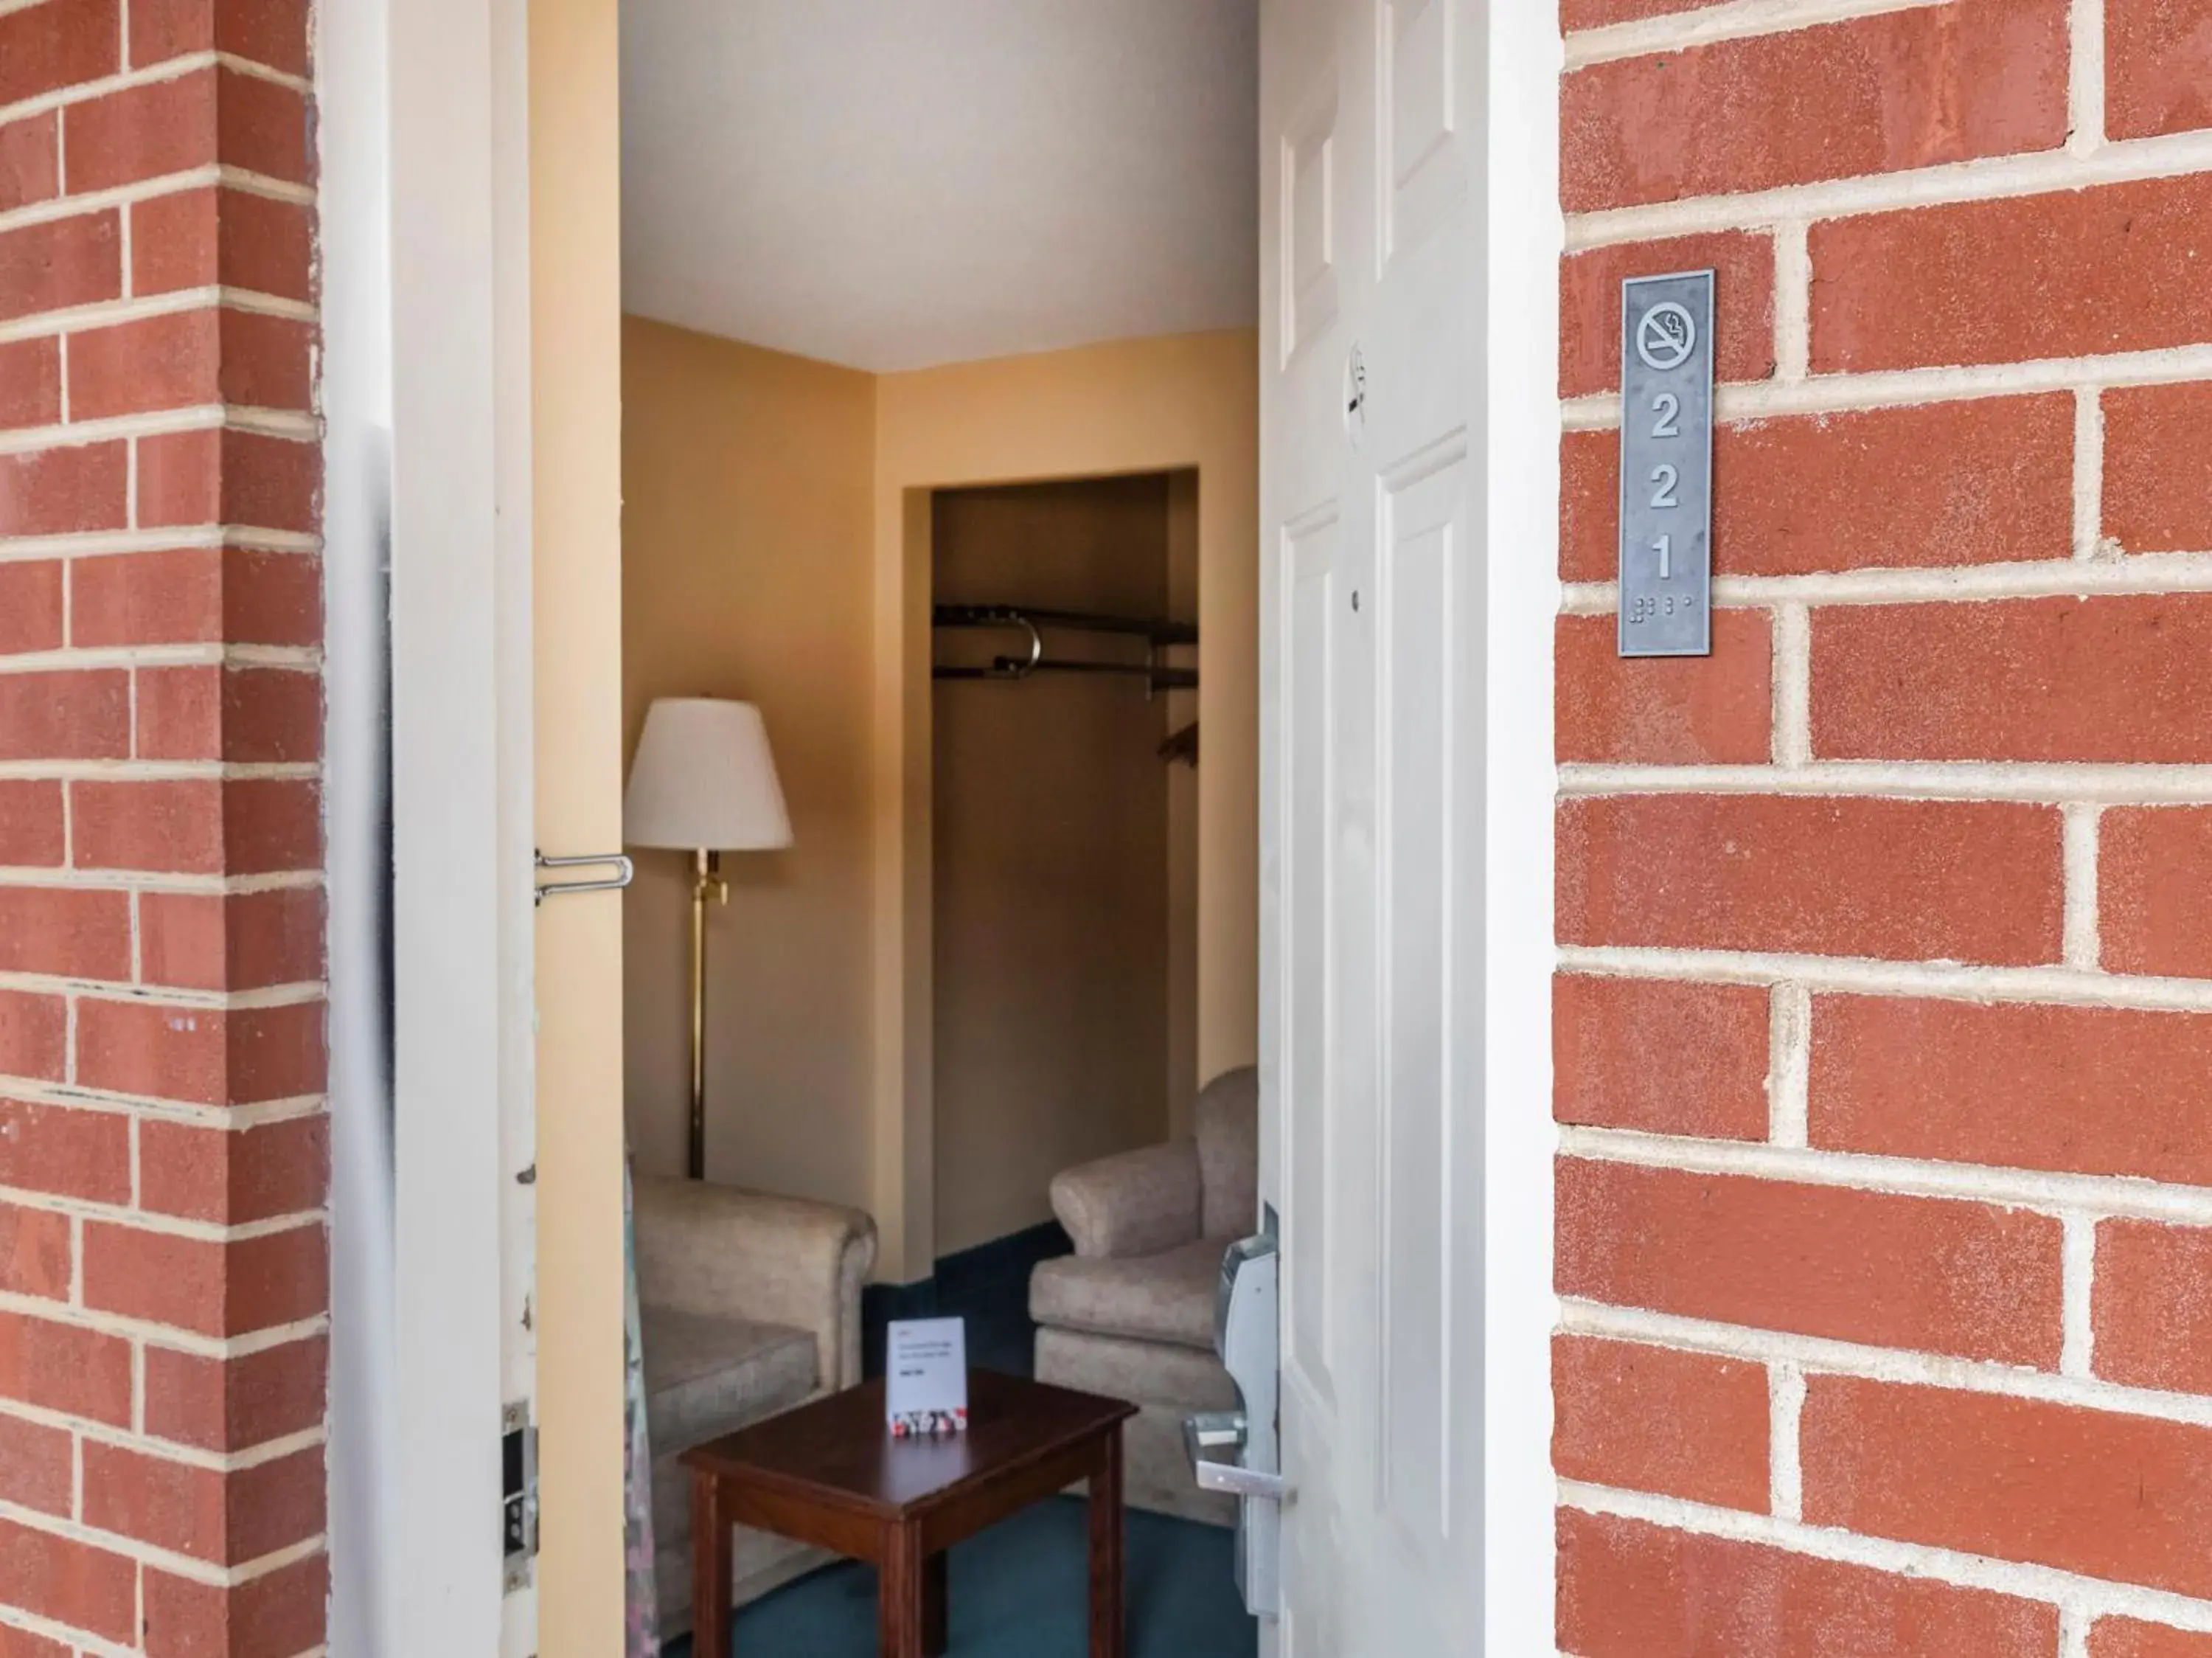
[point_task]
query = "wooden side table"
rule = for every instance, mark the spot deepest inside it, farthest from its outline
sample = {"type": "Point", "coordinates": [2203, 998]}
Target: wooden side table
{"type": "Point", "coordinates": [830, 1474]}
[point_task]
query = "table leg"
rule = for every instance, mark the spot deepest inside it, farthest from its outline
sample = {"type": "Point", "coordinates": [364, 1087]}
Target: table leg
{"type": "Point", "coordinates": [710, 1568]}
{"type": "Point", "coordinates": [935, 1613]}
{"type": "Point", "coordinates": [901, 1590]}
{"type": "Point", "coordinates": [1106, 1591]}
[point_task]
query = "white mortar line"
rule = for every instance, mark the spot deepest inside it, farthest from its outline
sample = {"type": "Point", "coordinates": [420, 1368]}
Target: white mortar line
{"type": "Point", "coordinates": [157, 771]}
{"type": "Point", "coordinates": [230, 1119]}
{"type": "Point", "coordinates": [119, 198]}
{"type": "Point", "coordinates": [162, 422]}
{"type": "Point", "coordinates": [209, 652]}
{"type": "Point", "coordinates": [80, 1209]}
{"type": "Point", "coordinates": [91, 1431]}
{"type": "Point", "coordinates": [1790, 1050]}
{"type": "Point", "coordinates": [1793, 686]}
{"type": "Point", "coordinates": [2049, 1584]}
{"type": "Point", "coordinates": [2085, 78]}
{"type": "Point", "coordinates": [1886, 389]}
{"type": "Point", "coordinates": [2080, 1273]}
{"type": "Point", "coordinates": [2050, 1194]}
{"type": "Point", "coordinates": [108, 990]}
{"type": "Point", "coordinates": [150, 1554]}
{"type": "Point", "coordinates": [2088, 474]}
{"type": "Point", "coordinates": [160, 880]}
{"type": "Point", "coordinates": [2047, 172]}
{"type": "Point", "coordinates": [2037, 782]}
{"type": "Point", "coordinates": [2083, 949]}
{"type": "Point", "coordinates": [1793, 302]}
{"type": "Point", "coordinates": [1785, 1404]}
{"type": "Point", "coordinates": [167, 1336]}
{"type": "Point", "coordinates": [1736, 20]}
{"type": "Point", "coordinates": [2074, 1625]}
{"type": "Point", "coordinates": [2143, 574]}
{"type": "Point", "coordinates": [247, 66]}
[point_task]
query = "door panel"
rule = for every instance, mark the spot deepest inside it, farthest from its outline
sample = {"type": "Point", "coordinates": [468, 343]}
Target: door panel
{"type": "Point", "coordinates": [1372, 812]}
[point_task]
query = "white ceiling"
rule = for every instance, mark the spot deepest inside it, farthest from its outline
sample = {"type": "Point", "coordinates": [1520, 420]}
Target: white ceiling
{"type": "Point", "coordinates": [891, 183]}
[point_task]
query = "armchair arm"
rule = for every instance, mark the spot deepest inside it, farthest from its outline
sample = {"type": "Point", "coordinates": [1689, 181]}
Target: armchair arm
{"type": "Point", "coordinates": [1137, 1203]}
{"type": "Point", "coordinates": [728, 1254]}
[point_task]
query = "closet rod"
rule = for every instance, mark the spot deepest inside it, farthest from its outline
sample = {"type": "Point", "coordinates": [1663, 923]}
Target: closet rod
{"type": "Point", "coordinates": [1160, 630]}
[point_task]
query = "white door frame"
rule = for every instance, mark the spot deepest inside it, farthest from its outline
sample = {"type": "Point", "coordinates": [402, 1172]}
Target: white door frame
{"type": "Point", "coordinates": [426, 400]}
{"type": "Point", "coordinates": [415, 1445]}
{"type": "Point", "coordinates": [1526, 238]}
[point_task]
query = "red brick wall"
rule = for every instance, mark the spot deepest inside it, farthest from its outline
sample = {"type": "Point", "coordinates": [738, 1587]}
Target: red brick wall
{"type": "Point", "coordinates": [162, 1152]}
{"type": "Point", "coordinates": [1884, 1034]}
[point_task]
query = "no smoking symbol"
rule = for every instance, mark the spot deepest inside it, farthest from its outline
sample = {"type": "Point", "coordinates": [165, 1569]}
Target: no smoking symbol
{"type": "Point", "coordinates": [1665, 337]}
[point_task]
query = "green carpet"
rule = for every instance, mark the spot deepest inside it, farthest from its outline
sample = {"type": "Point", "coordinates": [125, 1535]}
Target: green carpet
{"type": "Point", "coordinates": [1018, 1591]}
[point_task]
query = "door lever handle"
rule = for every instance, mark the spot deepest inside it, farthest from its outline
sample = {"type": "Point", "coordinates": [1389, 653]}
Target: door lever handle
{"type": "Point", "coordinates": [1213, 1430]}
{"type": "Point", "coordinates": [1238, 1480]}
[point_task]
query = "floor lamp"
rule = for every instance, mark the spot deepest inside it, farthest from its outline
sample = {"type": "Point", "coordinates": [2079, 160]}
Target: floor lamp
{"type": "Point", "coordinates": [703, 781]}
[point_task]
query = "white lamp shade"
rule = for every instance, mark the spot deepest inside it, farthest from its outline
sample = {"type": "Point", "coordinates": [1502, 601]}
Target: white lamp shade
{"type": "Point", "coordinates": [703, 777]}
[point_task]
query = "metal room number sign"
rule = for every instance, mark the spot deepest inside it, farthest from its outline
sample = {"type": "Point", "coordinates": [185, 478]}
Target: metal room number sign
{"type": "Point", "coordinates": [1666, 465]}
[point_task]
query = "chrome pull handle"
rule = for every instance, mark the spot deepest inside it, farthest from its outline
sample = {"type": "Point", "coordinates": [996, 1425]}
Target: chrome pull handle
{"type": "Point", "coordinates": [625, 871]}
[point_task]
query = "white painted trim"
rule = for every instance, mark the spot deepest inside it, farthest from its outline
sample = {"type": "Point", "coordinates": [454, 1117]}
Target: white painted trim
{"type": "Point", "coordinates": [1521, 508]}
{"type": "Point", "coordinates": [1736, 19]}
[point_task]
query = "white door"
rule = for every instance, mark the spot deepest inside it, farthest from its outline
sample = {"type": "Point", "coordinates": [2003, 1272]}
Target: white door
{"type": "Point", "coordinates": [1372, 451]}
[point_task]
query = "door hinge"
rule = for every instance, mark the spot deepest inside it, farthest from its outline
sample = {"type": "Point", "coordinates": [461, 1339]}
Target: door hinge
{"type": "Point", "coordinates": [518, 1493]}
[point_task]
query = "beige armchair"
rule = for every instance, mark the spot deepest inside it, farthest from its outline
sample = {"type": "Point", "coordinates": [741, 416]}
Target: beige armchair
{"type": "Point", "coordinates": [1130, 1313]}
{"type": "Point", "coordinates": [748, 1305]}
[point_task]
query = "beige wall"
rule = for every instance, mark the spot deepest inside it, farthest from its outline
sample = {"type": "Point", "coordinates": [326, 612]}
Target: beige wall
{"type": "Point", "coordinates": [750, 571]}
{"type": "Point", "coordinates": [575, 354]}
{"type": "Point", "coordinates": [1130, 406]}
{"type": "Point", "coordinates": [1050, 856]}
{"type": "Point", "coordinates": [747, 476]}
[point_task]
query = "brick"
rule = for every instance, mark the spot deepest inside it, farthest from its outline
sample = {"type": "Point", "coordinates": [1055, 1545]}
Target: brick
{"type": "Point", "coordinates": [33, 1043]}
{"type": "Point", "coordinates": [235, 1176]}
{"type": "Point", "coordinates": [1932, 1275]}
{"type": "Point", "coordinates": [237, 941]}
{"type": "Point", "coordinates": [68, 1582]}
{"type": "Point", "coordinates": [275, 1615]}
{"type": "Point", "coordinates": [1659, 1057]}
{"type": "Point", "coordinates": [273, 32]}
{"type": "Point", "coordinates": [202, 1513]}
{"type": "Point", "coordinates": [2155, 890]}
{"type": "Point", "coordinates": [1875, 94]}
{"type": "Point", "coordinates": [2123, 1498]}
{"type": "Point", "coordinates": [35, 1253]}
{"type": "Point", "coordinates": [66, 932]}
{"type": "Point", "coordinates": [2115, 678]}
{"type": "Point", "coordinates": [60, 44]}
{"type": "Point", "coordinates": [198, 238]}
{"type": "Point", "coordinates": [184, 124]}
{"type": "Point", "coordinates": [30, 164]}
{"type": "Point", "coordinates": [31, 836]}
{"type": "Point", "coordinates": [258, 826]}
{"type": "Point", "coordinates": [60, 263]}
{"type": "Point", "coordinates": [37, 1466]}
{"type": "Point", "coordinates": [204, 1056]}
{"type": "Point", "coordinates": [2123, 1637]}
{"type": "Point", "coordinates": [195, 595]}
{"type": "Point", "coordinates": [2152, 1305]}
{"type": "Point", "coordinates": [71, 1153]}
{"type": "Point", "coordinates": [1631, 1590]}
{"type": "Point", "coordinates": [1987, 481]}
{"type": "Point", "coordinates": [1650, 1419]}
{"type": "Point", "coordinates": [76, 714]}
{"type": "Point", "coordinates": [211, 1288]}
{"type": "Point", "coordinates": [62, 1366]}
{"type": "Point", "coordinates": [1893, 879]}
{"type": "Point", "coordinates": [226, 477]}
{"type": "Point", "coordinates": [183, 358]}
{"type": "Point", "coordinates": [30, 388]}
{"type": "Point", "coordinates": [233, 1405]}
{"type": "Point", "coordinates": [2158, 67]}
{"type": "Point", "coordinates": [2158, 476]}
{"type": "Point", "coordinates": [2085, 1090]}
{"type": "Point", "coordinates": [1662, 710]}
{"type": "Point", "coordinates": [250, 716]}
{"type": "Point", "coordinates": [22, 1643]}
{"type": "Point", "coordinates": [2081, 273]}
{"type": "Point", "coordinates": [1589, 305]}
{"type": "Point", "coordinates": [30, 602]}
{"type": "Point", "coordinates": [64, 491]}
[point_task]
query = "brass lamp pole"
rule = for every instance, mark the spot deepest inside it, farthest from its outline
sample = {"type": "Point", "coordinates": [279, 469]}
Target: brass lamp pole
{"type": "Point", "coordinates": [707, 882]}
{"type": "Point", "coordinates": [703, 781]}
